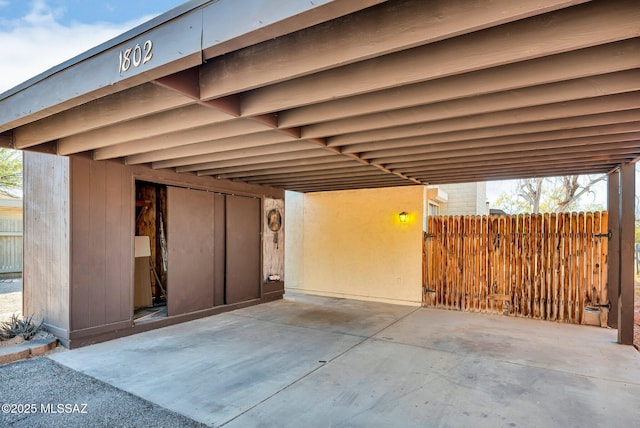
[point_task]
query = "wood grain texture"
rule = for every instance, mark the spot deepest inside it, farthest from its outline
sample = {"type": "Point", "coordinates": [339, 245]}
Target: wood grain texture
{"type": "Point", "coordinates": [243, 260]}
{"type": "Point", "coordinates": [102, 251]}
{"type": "Point", "coordinates": [542, 266]}
{"type": "Point", "coordinates": [190, 241]}
{"type": "Point", "coordinates": [273, 242]}
{"type": "Point", "coordinates": [46, 239]}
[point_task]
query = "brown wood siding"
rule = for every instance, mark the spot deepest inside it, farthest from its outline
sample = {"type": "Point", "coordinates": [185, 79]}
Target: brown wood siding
{"type": "Point", "coordinates": [102, 250]}
{"type": "Point", "coordinates": [46, 239]}
{"type": "Point", "coordinates": [190, 241]}
{"type": "Point", "coordinates": [243, 249]}
{"type": "Point", "coordinates": [102, 211]}
{"type": "Point", "coordinates": [219, 252]}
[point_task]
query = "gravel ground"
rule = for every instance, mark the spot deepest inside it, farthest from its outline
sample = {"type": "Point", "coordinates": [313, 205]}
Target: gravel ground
{"type": "Point", "coordinates": [41, 384]}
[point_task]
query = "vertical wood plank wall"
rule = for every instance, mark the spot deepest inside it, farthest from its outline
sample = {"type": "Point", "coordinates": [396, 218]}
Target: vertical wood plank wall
{"type": "Point", "coordinates": [78, 240]}
{"type": "Point", "coordinates": [101, 246]}
{"type": "Point", "coordinates": [544, 266]}
{"type": "Point", "coordinates": [243, 249]}
{"type": "Point", "coordinates": [46, 239]}
{"type": "Point", "coordinates": [190, 240]}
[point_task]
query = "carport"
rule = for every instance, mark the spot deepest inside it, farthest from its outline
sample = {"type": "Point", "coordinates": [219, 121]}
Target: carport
{"type": "Point", "coordinates": [252, 97]}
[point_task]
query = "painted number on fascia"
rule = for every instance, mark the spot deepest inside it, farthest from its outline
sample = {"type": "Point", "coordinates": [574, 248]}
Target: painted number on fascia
{"type": "Point", "coordinates": [135, 56]}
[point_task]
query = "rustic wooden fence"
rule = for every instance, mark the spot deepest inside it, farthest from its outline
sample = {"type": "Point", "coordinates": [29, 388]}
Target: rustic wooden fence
{"type": "Point", "coordinates": [545, 266]}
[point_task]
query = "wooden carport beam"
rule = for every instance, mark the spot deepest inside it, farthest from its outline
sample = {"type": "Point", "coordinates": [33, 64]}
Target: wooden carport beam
{"type": "Point", "coordinates": [357, 158]}
{"type": "Point", "coordinates": [135, 102]}
{"type": "Point", "coordinates": [148, 148]}
{"type": "Point", "coordinates": [510, 174]}
{"type": "Point", "coordinates": [128, 137]}
{"type": "Point", "coordinates": [6, 140]}
{"type": "Point", "coordinates": [531, 158]}
{"type": "Point", "coordinates": [459, 130]}
{"type": "Point", "coordinates": [186, 82]}
{"type": "Point", "coordinates": [516, 171]}
{"type": "Point", "coordinates": [371, 127]}
{"type": "Point", "coordinates": [323, 162]}
{"type": "Point", "coordinates": [259, 137]}
{"type": "Point", "coordinates": [460, 153]}
{"type": "Point", "coordinates": [344, 175]}
{"type": "Point", "coordinates": [218, 155]}
{"type": "Point", "coordinates": [581, 64]}
{"type": "Point", "coordinates": [254, 161]}
{"type": "Point", "coordinates": [369, 33]}
{"type": "Point", "coordinates": [319, 169]}
{"type": "Point", "coordinates": [579, 89]}
{"type": "Point", "coordinates": [497, 136]}
{"type": "Point", "coordinates": [562, 31]}
{"type": "Point", "coordinates": [344, 186]}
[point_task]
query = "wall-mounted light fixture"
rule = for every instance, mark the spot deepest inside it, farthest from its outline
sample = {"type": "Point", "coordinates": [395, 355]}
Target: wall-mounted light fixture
{"type": "Point", "coordinates": [403, 217]}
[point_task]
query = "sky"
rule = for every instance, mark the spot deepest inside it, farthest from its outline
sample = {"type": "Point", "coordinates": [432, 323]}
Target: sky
{"type": "Point", "coordinates": [36, 35]}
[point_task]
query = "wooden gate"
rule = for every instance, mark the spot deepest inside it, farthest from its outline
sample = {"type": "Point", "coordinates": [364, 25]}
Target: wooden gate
{"type": "Point", "coordinates": [544, 266]}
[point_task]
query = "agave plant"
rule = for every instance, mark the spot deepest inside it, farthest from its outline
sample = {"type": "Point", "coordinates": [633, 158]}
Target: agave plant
{"type": "Point", "coordinates": [24, 327]}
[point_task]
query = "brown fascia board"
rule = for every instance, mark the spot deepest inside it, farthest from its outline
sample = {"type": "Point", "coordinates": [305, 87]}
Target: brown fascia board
{"type": "Point", "coordinates": [97, 72]}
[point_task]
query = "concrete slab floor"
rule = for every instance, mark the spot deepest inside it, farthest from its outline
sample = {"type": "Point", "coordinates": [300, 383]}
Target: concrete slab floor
{"type": "Point", "coordinates": [318, 361]}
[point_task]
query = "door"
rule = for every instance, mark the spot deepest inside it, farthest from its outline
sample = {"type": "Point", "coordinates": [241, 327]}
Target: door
{"type": "Point", "coordinates": [243, 249]}
{"type": "Point", "coordinates": [190, 241]}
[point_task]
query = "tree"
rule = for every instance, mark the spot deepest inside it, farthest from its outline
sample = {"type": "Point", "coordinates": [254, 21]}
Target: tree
{"type": "Point", "coordinates": [573, 189]}
{"type": "Point", "coordinates": [557, 194]}
{"type": "Point", "coordinates": [10, 171]}
{"type": "Point", "coordinates": [531, 191]}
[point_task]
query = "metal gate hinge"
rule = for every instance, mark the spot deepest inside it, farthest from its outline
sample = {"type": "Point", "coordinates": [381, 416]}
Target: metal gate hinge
{"type": "Point", "coordinates": [602, 305]}
{"type": "Point", "coordinates": [602, 235]}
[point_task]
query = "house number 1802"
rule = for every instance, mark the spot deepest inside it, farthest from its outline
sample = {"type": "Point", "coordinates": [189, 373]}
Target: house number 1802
{"type": "Point", "coordinates": [135, 56]}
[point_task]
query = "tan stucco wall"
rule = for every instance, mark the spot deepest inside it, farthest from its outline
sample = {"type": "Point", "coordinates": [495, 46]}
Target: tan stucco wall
{"type": "Point", "coordinates": [293, 239]}
{"type": "Point", "coordinates": [353, 244]}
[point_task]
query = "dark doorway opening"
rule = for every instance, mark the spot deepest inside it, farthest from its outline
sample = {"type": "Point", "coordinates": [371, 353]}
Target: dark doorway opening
{"type": "Point", "coordinates": [151, 261]}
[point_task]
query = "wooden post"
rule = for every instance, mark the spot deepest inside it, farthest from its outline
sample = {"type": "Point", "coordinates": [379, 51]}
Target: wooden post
{"type": "Point", "coordinates": [613, 273]}
{"type": "Point", "coordinates": [627, 244]}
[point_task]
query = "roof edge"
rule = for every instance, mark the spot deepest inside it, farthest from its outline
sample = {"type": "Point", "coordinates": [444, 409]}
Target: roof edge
{"type": "Point", "coordinates": [130, 34]}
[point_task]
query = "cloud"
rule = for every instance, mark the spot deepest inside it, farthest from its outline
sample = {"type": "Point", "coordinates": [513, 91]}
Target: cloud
{"type": "Point", "coordinates": [38, 41]}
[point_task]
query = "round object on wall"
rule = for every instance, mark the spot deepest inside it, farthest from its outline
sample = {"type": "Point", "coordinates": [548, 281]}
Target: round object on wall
{"type": "Point", "coordinates": [274, 220]}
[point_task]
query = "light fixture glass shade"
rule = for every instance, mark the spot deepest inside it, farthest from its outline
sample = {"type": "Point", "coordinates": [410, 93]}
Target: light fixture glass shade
{"type": "Point", "coordinates": [403, 217]}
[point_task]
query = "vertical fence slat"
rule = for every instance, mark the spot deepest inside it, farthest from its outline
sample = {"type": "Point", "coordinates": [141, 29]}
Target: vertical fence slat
{"type": "Point", "coordinates": [485, 263]}
{"type": "Point", "coordinates": [566, 268]}
{"type": "Point", "coordinates": [548, 266]}
{"type": "Point", "coordinates": [466, 264]}
{"type": "Point", "coordinates": [581, 261]}
{"type": "Point", "coordinates": [571, 267]}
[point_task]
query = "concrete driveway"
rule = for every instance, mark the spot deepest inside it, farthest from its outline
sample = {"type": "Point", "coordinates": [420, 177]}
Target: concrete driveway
{"type": "Point", "coordinates": [318, 362]}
